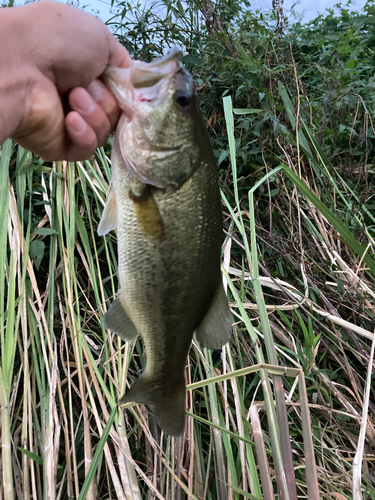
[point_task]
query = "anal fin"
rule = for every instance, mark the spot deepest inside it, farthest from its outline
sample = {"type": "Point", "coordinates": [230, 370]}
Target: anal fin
{"type": "Point", "coordinates": [117, 320]}
{"type": "Point", "coordinates": [215, 329]}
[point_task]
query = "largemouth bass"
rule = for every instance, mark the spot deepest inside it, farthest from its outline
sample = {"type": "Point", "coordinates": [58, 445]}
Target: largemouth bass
{"type": "Point", "coordinates": [165, 203]}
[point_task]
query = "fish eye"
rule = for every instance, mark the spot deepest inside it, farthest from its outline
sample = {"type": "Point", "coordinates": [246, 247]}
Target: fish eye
{"type": "Point", "coordinates": [182, 98]}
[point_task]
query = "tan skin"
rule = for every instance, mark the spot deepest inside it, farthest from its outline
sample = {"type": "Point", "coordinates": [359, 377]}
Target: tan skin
{"type": "Point", "coordinates": [51, 52]}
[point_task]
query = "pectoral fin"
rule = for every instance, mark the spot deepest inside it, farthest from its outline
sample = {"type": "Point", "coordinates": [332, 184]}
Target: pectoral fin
{"type": "Point", "coordinates": [117, 320]}
{"type": "Point", "coordinates": [109, 216]}
{"type": "Point", "coordinates": [215, 329]}
{"type": "Point", "coordinates": [147, 212]}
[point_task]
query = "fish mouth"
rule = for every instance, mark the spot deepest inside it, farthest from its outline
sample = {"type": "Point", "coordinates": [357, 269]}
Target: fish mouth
{"type": "Point", "coordinates": [141, 81]}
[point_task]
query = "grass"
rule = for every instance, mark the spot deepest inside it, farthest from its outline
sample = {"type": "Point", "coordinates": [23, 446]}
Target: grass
{"type": "Point", "coordinates": [285, 400]}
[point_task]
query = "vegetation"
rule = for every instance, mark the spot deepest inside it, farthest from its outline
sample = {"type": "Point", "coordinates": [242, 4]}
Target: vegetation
{"type": "Point", "coordinates": [289, 107]}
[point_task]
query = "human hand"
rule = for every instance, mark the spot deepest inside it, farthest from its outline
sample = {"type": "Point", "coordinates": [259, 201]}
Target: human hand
{"type": "Point", "coordinates": [51, 53]}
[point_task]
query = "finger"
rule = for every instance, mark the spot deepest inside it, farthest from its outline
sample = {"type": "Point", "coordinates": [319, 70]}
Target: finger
{"type": "Point", "coordinates": [83, 139]}
{"type": "Point", "coordinates": [106, 101]}
{"type": "Point", "coordinates": [82, 102]}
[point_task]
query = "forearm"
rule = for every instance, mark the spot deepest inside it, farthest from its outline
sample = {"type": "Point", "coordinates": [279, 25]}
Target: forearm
{"type": "Point", "coordinates": [14, 77]}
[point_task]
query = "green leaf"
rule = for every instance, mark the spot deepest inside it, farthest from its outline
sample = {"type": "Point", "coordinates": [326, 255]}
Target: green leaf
{"type": "Point", "coordinates": [6, 152]}
{"type": "Point", "coordinates": [222, 156]}
{"type": "Point", "coordinates": [45, 231]}
{"type": "Point", "coordinates": [31, 455]}
{"type": "Point", "coordinates": [60, 176]}
{"type": "Point", "coordinates": [332, 219]}
{"type": "Point", "coordinates": [180, 8]}
{"type": "Point", "coordinates": [42, 202]}
{"type": "Point", "coordinates": [36, 251]}
{"type": "Point", "coordinates": [242, 492]}
{"type": "Point", "coordinates": [288, 104]}
{"type": "Point", "coordinates": [181, 37]}
{"type": "Point", "coordinates": [249, 62]}
{"type": "Point", "coordinates": [190, 59]}
{"type": "Point", "coordinates": [244, 111]}
{"type": "Point", "coordinates": [273, 192]}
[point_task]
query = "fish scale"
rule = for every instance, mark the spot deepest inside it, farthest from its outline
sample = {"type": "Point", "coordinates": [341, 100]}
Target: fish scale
{"type": "Point", "coordinates": [169, 229]}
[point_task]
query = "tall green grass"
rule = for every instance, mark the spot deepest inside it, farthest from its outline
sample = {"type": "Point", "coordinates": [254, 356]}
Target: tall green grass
{"type": "Point", "coordinates": [274, 418]}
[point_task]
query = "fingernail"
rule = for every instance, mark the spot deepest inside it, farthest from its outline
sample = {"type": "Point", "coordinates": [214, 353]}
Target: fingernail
{"type": "Point", "coordinates": [84, 101]}
{"type": "Point", "coordinates": [78, 123]}
{"type": "Point", "coordinates": [95, 90]}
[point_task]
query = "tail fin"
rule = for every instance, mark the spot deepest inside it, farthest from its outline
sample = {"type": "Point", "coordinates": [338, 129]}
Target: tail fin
{"type": "Point", "coordinates": [166, 400]}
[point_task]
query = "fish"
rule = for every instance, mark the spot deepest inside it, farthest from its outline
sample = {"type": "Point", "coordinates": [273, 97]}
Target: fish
{"type": "Point", "coordinates": [165, 203]}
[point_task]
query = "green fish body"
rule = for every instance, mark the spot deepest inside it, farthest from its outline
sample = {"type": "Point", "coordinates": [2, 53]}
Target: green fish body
{"type": "Point", "coordinates": [165, 203]}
